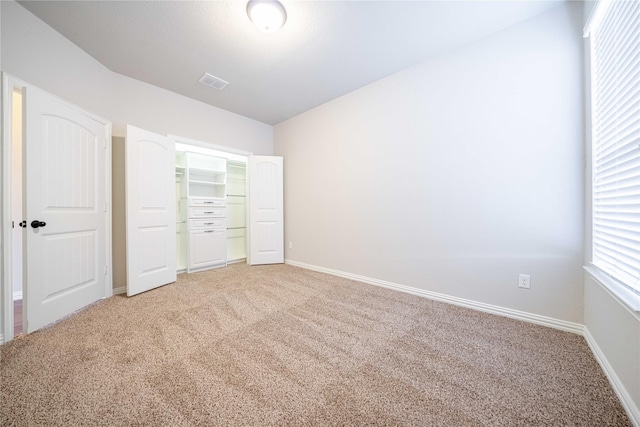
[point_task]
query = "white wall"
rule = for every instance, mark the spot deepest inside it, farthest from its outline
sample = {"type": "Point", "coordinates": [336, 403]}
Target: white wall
{"type": "Point", "coordinates": [37, 54]}
{"type": "Point", "coordinates": [454, 175]}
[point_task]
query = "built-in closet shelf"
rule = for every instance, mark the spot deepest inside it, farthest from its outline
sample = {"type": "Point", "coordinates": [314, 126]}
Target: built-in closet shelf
{"type": "Point", "coordinates": [213, 184]}
{"type": "Point", "coordinates": [206, 171]}
{"type": "Point", "coordinates": [236, 195]}
{"type": "Point", "coordinates": [236, 228]}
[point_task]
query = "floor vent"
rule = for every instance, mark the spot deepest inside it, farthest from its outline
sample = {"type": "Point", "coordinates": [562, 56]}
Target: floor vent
{"type": "Point", "coordinates": [213, 81]}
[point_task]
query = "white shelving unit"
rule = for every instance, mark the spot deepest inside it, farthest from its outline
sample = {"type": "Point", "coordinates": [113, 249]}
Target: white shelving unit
{"type": "Point", "coordinates": [213, 228]}
{"type": "Point", "coordinates": [202, 216]}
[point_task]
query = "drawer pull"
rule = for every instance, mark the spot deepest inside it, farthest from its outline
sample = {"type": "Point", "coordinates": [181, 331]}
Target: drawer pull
{"type": "Point", "coordinates": [208, 203]}
{"type": "Point", "coordinates": [209, 223]}
{"type": "Point", "coordinates": [209, 212]}
{"type": "Point", "coordinates": [212, 231]}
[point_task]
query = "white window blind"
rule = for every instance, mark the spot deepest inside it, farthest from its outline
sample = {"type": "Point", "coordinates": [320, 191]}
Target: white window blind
{"type": "Point", "coordinates": [615, 98]}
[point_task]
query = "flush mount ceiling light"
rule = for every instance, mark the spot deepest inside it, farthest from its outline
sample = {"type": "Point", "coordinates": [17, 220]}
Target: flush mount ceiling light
{"type": "Point", "coordinates": [268, 15]}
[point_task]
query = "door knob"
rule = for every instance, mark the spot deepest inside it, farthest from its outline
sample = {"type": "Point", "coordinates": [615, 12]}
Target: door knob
{"type": "Point", "coordinates": [36, 223]}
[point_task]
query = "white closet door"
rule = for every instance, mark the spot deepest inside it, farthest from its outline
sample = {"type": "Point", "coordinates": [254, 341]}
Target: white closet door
{"type": "Point", "coordinates": [151, 210]}
{"type": "Point", "coordinates": [66, 208]}
{"type": "Point", "coordinates": [266, 229]}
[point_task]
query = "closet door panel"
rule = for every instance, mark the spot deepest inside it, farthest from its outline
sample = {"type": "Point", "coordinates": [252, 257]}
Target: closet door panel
{"type": "Point", "coordinates": [151, 211]}
{"type": "Point", "coordinates": [266, 229]}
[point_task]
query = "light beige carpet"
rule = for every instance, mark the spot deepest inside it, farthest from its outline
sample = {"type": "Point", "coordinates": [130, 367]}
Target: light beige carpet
{"type": "Point", "coordinates": [279, 345]}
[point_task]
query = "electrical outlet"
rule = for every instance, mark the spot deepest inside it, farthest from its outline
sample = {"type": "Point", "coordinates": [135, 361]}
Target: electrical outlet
{"type": "Point", "coordinates": [290, 245]}
{"type": "Point", "coordinates": [524, 281]}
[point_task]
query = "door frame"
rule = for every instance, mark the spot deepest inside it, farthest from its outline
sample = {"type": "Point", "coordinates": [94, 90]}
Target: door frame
{"type": "Point", "coordinates": [9, 83]}
{"type": "Point", "coordinates": [176, 139]}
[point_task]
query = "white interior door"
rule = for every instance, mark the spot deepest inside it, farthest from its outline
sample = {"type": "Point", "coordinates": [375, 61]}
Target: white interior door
{"type": "Point", "coordinates": [65, 209]}
{"type": "Point", "coordinates": [266, 229]}
{"type": "Point", "coordinates": [151, 210]}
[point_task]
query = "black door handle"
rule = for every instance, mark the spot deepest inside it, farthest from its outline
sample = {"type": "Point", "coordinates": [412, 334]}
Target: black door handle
{"type": "Point", "coordinates": [36, 223]}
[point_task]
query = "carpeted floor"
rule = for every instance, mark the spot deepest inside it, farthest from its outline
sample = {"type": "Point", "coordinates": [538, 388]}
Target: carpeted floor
{"type": "Point", "coordinates": [279, 345]}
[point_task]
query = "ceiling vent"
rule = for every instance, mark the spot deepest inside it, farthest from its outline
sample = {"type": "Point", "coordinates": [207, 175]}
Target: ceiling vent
{"type": "Point", "coordinates": [213, 81]}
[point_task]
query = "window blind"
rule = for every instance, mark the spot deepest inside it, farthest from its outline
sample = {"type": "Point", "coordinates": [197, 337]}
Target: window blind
{"type": "Point", "coordinates": [615, 102]}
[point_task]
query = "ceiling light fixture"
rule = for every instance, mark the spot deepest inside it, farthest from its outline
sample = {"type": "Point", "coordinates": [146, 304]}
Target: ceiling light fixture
{"type": "Point", "coordinates": [268, 15]}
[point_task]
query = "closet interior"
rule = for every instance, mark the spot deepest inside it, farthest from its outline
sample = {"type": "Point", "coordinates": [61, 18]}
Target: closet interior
{"type": "Point", "coordinates": [211, 193]}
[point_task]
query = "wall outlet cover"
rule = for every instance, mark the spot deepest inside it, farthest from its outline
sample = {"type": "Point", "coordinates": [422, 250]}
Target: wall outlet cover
{"type": "Point", "coordinates": [524, 281]}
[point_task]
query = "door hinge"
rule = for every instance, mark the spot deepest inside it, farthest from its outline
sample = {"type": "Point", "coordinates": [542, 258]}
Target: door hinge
{"type": "Point", "coordinates": [105, 143]}
{"type": "Point", "coordinates": [106, 269]}
{"type": "Point", "coordinates": [13, 224]}
{"type": "Point", "coordinates": [105, 206]}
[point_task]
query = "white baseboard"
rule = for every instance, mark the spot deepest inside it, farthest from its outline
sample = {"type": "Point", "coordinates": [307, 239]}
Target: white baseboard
{"type": "Point", "coordinates": [618, 387]}
{"type": "Point", "coordinates": [120, 290]}
{"type": "Point", "coordinates": [563, 325]}
{"type": "Point", "coordinates": [17, 295]}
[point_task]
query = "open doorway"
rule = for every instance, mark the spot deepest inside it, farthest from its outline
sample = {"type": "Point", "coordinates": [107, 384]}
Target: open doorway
{"type": "Point", "coordinates": [17, 229]}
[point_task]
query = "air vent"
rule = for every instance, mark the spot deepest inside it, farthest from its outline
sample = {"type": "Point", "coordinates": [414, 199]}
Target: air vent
{"type": "Point", "coordinates": [213, 81]}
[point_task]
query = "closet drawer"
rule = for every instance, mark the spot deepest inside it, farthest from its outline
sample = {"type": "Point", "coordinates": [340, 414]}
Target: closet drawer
{"type": "Point", "coordinates": [195, 201]}
{"type": "Point", "coordinates": [198, 224]}
{"type": "Point", "coordinates": [207, 248]}
{"type": "Point", "coordinates": [202, 212]}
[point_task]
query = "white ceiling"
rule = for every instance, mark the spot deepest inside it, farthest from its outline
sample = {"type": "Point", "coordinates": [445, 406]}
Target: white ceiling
{"type": "Point", "coordinates": [325, 49]}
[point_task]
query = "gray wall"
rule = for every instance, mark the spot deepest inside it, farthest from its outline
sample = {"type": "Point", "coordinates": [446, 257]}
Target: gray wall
{"type": "Point", "coordinates": [119, 219]}
{"type": "Point", "coordinates": [616, 330]}
{"type": "Point", "coordinates": [454, 175]}
{"type": "Point", "coordinates": [34, 52]}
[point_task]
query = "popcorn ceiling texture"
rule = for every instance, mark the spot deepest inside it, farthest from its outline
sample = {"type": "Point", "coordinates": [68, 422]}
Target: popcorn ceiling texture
{"type": "Point", "coordinates": [280, 345]}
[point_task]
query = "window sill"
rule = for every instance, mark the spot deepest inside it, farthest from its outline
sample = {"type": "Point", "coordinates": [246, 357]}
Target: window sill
{"type": "Point", "coordinates": [624, 295]}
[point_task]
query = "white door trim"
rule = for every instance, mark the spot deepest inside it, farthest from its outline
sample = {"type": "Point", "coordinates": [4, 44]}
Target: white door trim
{"type": "Point", "coordinates": [5, 265]}
{"type": "Point", "coordinates": [184, 140]}
{"type": "Point", "coordinates": [8, 84]}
